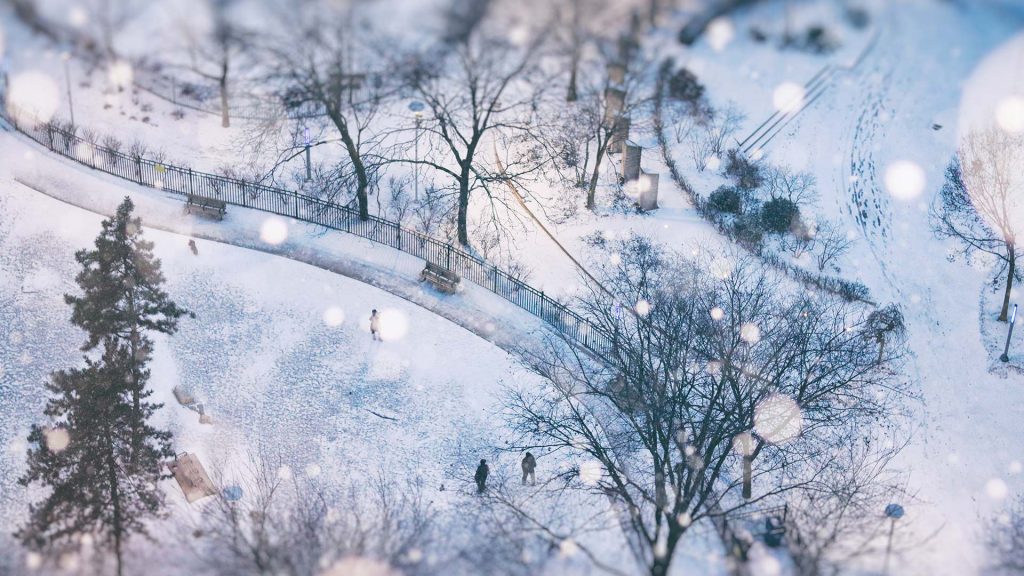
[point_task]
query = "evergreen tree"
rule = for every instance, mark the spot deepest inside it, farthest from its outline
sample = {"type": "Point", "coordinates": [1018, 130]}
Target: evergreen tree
{"type": "Point", "coordinates": [100, 458]}
{"type": "Point", "coordinates": [102, 482]}
{"type": "Point", "coordinates": [122, 297]}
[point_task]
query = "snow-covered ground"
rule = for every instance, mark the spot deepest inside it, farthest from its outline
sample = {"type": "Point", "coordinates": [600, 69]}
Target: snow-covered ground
{"type": "Point", "coordinates": [267, 361]}
{"type": "Point", "coordinates": [279, 354]}
{"type": "Point", "coordinates": [964, 461]}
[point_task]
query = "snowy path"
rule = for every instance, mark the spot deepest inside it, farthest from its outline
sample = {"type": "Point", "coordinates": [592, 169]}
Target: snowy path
{"type": "Point", "coordinates": [474, 309]}
{"type": "Point", "coordinates": [279, 354]}
{"type": "Point", "coordinates": [967, 440]}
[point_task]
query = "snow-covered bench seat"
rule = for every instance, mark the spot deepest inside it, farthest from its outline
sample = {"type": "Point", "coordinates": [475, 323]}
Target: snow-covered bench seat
{"type": "Point", "coordinates": [441, 278]}
{"type": "Point", "coordinates": [211, 206]}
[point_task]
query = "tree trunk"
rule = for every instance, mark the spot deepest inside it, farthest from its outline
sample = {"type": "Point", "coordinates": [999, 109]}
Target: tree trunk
{"type": "Point", "coordinates": [225, 117]}
{"type": "Point", "coordinates": [115, 501]}
{"type": "Point", "coordinates": [592, 188]}
{"type": "Point", "coordinates": [572, 96]}
{"type": "Point", "coordinates": [464, 205]}
{"type": "Point", "coordinates": [362, 178]}
{"type": "Point", "coordinates": [661, 564]}
{"type": "Point", "coordinates": [1011, 251]}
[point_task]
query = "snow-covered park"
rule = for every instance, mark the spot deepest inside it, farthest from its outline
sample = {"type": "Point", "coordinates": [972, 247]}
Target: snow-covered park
{"type": "Point", "coordinates": [403, 287]}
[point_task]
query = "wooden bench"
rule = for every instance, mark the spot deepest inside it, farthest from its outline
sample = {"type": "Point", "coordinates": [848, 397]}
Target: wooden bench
{"type": "Point", "coordinates": [188, 471]}
{"type": "Point", "coordinates": [441, 278]}
{"type": "Point", "coordinates": [211, 206]}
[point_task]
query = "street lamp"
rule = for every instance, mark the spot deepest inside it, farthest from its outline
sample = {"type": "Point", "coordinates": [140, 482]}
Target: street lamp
{"type": "Point", "coordinates": [745, 445]}
{"type": "Point", "coordinates": [66, 57]}
{"type": "Point", "coordinates": [894, 512]}
{"type": "Point", "coordinates": [1006, 350]}
{"type": "Point", "coordinates": [417, 109]}
{"type": "Point", "coordinates": [309, 175]}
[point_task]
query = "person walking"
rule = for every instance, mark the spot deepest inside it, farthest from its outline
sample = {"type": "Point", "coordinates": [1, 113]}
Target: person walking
{"type": "Point", "coordinates": [529, 465]}
{"type": "Point", "coordinates": [481, 476]}
{"type": "Point", "coordinates": [375, 326]}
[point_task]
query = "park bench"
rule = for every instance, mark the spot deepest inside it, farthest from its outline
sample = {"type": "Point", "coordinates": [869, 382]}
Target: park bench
{"type": "Point", "coordinates": [211, 206]}
{"type": "Point", "coordinates": [188, 471]}
{"type": "Point", "coordinates": [441, 278]}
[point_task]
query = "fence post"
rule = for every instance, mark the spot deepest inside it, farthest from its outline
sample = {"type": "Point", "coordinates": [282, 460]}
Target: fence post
{"type": "Point", "coordinates": [448, 262]}
{"type": "Point", "coordinates": [541, 304]}
{"type": "Point", "coordinates": [494, 273]}
{"type": "Point", "coordinates": [191, 186]}
{"type": "Point", "coordinates": [296, 204]}
{"type": "Point", "coordinates": [49, 134]}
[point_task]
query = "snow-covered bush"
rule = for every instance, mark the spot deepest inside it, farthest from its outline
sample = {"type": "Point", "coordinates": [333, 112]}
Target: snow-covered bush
{"type": "Point", "coordinates": [780, 215]}
{"type": "Point", "coordinates": [747, 231]}
{"type": "Point", "coordinates": [726, 199]}
{"type": "Point", "coordinates": [744, 172]}
{"type": "Point", "coordinates": [684, 86]}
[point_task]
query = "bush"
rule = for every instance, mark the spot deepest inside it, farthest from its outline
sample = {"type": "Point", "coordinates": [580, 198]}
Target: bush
{"type": "Point", "coordinates": [726, 199]}
{"type": "Point", "coordinates": [780, 215]}
{"type": "Point", "coordinates": [684, 86]}
{"type": "Point", "coordinates": [744, 173]}
{"type": "Point", "coordinates": [819, 41]}
{"type": "Point", "coordinates": [858, 17]}
{"type": "Point", "coordinates": [747, 231]}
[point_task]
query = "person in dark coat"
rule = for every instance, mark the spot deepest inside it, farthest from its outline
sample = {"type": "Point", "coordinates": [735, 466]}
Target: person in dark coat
{"type": "Point", "coordinates": [529, 465]}
{"type": "Point", "coordinates": [481, 476]}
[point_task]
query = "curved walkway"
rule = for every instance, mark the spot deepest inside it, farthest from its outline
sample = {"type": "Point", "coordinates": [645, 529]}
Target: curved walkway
{"type": "Point", "coordinates": [475, 309]}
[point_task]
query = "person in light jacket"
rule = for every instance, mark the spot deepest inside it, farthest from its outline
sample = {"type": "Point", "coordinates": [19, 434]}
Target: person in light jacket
{"type": "Point", "coordinates": [375, 326]}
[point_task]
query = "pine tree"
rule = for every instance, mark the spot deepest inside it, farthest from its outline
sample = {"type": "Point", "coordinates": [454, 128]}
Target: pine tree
{"type": "Point", "coordinates": [102, 482]}
{"type": "Point", "coordinates": [122, 296]}
{"type": "Point", "coordinates": [100, 457]}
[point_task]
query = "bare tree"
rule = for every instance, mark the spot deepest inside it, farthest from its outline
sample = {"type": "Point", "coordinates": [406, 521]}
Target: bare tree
{"type": "Point", "coordinates": [837, 518]}
{"type": "Point", "coordinates": [705, 360]}
{"type": "Point", "coordinates": [885, 324]}
{"type": "Point", "coordinates": [711, 141]}
{"type": "Point", "coordinates": [213, 53]}
{"type": "Point", "coordinates": [980, 204]}
{"type": "Point", "coordinates": [829, 243]}
{"type": "Point", "coordinates": [478, 95]}
{"type": "Point", "coordinates": [110, 17]}
{"type": "Point", "coordinates": [609, 107]}
{"type": "Point", "coordinates": [313, 71]}
{"type": "Point", "coordinates": [300, 526]}
{"type": "Point", "coordinates": [783, 182]}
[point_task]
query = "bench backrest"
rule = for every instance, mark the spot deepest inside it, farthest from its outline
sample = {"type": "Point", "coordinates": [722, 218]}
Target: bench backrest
{"type": "Point", "coordinates": [205, 201]}
{"type": "Point", "coordinates": [442, 272]}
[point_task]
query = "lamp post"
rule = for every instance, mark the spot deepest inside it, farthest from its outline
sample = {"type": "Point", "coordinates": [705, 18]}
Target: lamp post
{"type": "Point", "coordinates": [893, 512]}
{"type": "Point", "coordinates": [1006, 350]}
{"type": "Point", "coordinates": [66, 57]}
{"type": "Point", "coordinates": [309, 175]}
{"type": "Point", "coordinates": [744, 444]}
{"type": "Point", "coordinates": [417, 109]}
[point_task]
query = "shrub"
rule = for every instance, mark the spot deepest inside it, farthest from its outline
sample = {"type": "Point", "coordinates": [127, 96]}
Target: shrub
{"type": "Point", "coordinates": [684, 86]}
{"type": "Point", "coordinates": [858, 17]}
{"type": "Point", "coordinates": [744, 173]}
{"type": "Point", "coordinates": [747, 231]}
{"type": "Point", "coordinates": [726, 199]}
{"type": "Point", "coordinates": [819, 41]}
{"type": "Point", "coordinates": [779, 215]}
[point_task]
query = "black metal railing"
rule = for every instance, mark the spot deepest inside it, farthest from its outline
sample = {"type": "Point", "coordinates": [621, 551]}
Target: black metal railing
{"type": "Point", "coordinates": [181, 180]}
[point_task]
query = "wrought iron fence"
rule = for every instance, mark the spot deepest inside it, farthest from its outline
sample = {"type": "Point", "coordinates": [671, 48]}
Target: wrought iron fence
{"type": "Point", "coordinates": [181, 180]}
